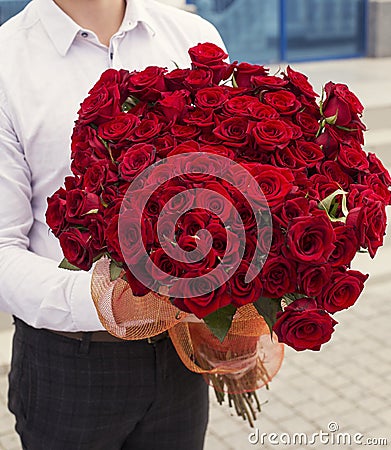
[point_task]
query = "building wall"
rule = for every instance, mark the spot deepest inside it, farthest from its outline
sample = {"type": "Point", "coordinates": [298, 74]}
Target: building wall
{"type": "Point", "coordinates": [379, 29]}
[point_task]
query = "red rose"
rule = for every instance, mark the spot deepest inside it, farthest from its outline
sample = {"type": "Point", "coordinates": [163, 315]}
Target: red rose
{"type": "Point", "coordinates": [295, 207]}
{"type": "Point", "coordinates": [211, 97]}
{"type": "Point", "coordinates": [211, 56]}
{"type": "Point", "coordinates": [245, 71]}
{"type": "Point", "coordinates": [233, 131]}
{"type": "Point", "coordinates": [323, 186]}
{"type": "Point", "coordinates": [216, 199]}
{"type": "Point", "coordinates": [342, 103]}
{"type": "Point", "coordinates": [75, 245]}
{"type": "Point", "coordinates": [270, 134]}
{"type": "Point", "coordinates": [160, 260]}
{"type": "Point", "coordinates": [300, 82]}
{"type": "Point", "coordinates": [334, 173]}
{"type": "Point", "coordinates": [135, 160]}
{"type": "Point", "coordinates": [261, 111]}
{"type": "Point", "coordinates": [239, 106]}
{"type": "Point", "coordinates": [55, 213]}
{"type": "Point", "coordinates": [207, 54]}
{"type": "Point", "coordinates": [172, 104]}
{"type": "Point", "coordinates": [218, 149]}
{"type": "Point", "coordinates": [246, 214]}
{"type": "Point", "coordinates": [377, 167]}
{"type": "Point", "coordinates": [148, 84]}
{"type": "Point", "coordinates": [119, 128]}
{"type": "Point", "coordinates": [176, 78]}
{"type": "Point", "coordinates": [346, 246]}
{"type": "Point", "coordinates": [329, 141]}
{"type": "Point", "coordinates": [205, 166]}
{"type": "Point", "coordinates": [148, 128]}
{"type": "Point", "coordinates": [296, 130]}
{"type": "Point", "coordinates": [162, 172]}
{"type": "Point", "coordinates": [198, 79]}
{"type": "Point", "coordinates": [244, 293]}
{"type": "Point", "coordinates": [98, 175]}
{"type": "Point", "coordinates": [202, 295]}
{"type": "Point", "coordinates": [282, 101]}
{"type": "Point", "coordinates": [376, 222]}
{"type": "Point", "coordinates": [312, 279]}
{"type": "Point", "coordinates": [104, 100]}
{"type": "Point", "coordinates": [138, 288]}
{"type": "Point", "coordinates": [220, 236]}
{"type": "Point", "coordinates": [378, 187]}
{"type": "Point", "coordinates": [177, 199]}
{"type": "Point", "coordinates": [200, 117]}
{"type": "Point", "coordinates": [81, 206]}
{"type": "Point", "coordinates": [194, 221]}
{"type": "Point", "coordinates": [194, 253]}
{"type": "Point", "coordinates": [184, 132]}
{"type": "Point", "coordinates": [286, 157]}
{"type": "Point", "coordinates": [275, 184]}
{"type": "Point", "coordinates": [352, 158]}
{"type": "Point", "coordinates": [265, 82]}
{"type": "Point", "coordinates": [96, 227]}
{"type": "Point", "coordinates": [309, 152]}
{"type": "Point", "coordinates": [278, 277]}
{"type": "Point", "coordinates": [367, 216]}
{"type": "Point", "coordinates": [342, 290]}
{"type": "Point", "coordinates": [308, 124]}
{"type": "Point", "coordinates": [164, 144]}
{"type": "Point", "coordinates": [86, 148]}
{"type": "Point", "coordinates": [310, 239]}
{"type": "Point", "coordinates": [126, 236]}
{"type": "Point", "coordinates": [303, 326]}
{"type": "Point", "coordinates": [112, 239]}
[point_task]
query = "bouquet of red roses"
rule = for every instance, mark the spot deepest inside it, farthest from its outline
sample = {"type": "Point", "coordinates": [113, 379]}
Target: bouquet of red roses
{"type": "Point", "coordinates": [216, 199]}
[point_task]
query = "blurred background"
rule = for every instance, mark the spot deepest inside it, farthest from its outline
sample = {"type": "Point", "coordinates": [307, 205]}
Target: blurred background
{"type": "Point", "coordinates": [265, 31]}
{"type": "Point", "coordinates": [349, 381]}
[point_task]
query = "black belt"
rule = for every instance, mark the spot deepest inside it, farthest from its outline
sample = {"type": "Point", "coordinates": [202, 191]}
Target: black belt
{"type": "Point", "coordinates": [104, 336]}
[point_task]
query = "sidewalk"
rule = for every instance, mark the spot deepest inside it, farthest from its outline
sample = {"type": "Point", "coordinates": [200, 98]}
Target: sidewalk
{"type": "Point", "coordinates": [346, 385]}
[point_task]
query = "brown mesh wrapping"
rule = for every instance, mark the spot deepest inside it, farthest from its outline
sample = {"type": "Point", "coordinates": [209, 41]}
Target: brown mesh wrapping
{"type": "Point", "coordinates": [246, 360]}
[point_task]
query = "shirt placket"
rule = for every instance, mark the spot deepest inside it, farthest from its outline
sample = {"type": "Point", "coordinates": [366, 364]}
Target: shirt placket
{"type": "Point", "coordinates": [114, 54]}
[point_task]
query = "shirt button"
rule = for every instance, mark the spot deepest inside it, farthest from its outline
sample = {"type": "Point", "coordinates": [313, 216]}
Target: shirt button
{"type": "Point", "coordinates": [84, 34]}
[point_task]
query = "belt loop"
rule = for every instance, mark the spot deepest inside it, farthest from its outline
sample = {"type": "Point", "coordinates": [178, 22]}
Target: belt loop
{"type": "Point", "coordinates": [84, 346]}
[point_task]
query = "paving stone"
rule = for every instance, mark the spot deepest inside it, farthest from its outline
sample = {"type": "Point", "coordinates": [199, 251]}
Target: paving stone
{"type": "Point", "coordinates": [10, 441]}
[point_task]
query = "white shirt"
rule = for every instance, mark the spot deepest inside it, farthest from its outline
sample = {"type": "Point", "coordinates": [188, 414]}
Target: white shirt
{"type": "Point", "coordinates": [48, 64]}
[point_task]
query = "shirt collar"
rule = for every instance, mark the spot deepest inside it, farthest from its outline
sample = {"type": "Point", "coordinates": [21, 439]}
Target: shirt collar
{"type": "Point", "coordinates": [62, 30]}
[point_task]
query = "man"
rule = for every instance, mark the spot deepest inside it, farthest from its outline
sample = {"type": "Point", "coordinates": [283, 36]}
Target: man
{"type": "Point", "coordinates": [72, 385]}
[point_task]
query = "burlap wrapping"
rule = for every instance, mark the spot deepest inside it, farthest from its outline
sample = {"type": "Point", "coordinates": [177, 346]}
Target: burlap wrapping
{"type": "Point", "coordinates": [247, 358]}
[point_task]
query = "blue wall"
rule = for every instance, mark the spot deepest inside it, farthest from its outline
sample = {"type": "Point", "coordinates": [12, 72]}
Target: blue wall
{"type": "Point", "coordinates": [293, 30]}
{"type": "Point", "coordinates": [10, 8]}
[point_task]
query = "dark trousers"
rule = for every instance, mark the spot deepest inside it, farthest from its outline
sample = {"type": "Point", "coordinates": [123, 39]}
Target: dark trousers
{"type": "Point", "coordinates": [79, 395]}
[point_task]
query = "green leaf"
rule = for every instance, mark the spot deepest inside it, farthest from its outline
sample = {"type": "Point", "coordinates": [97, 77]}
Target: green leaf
{"type": "Point", "coordinates": [219, 322]}
{"type": "Point", "coordinates": [115, 270]}
{"type": "Point", "coordinates": [322, 99]}
{"type": "Point", "coordinates": [327, 202]}
{"type": "Point", "coordinates": [91, 211]}
{"type": "Point", "coordinates": [292, 297]}
{"type": "Point", "coordinates": [340, 127]}
{"type": "Point", "coordinates": [332, 119]}
{"type": "Point", "coordinates": [65, 264]}
{"type": "Point", "coordinates": [330, 206]}
{"type": "Point", "coordinates": [268, 309]}
{"type": "Point", "coordinates": [234, 83]}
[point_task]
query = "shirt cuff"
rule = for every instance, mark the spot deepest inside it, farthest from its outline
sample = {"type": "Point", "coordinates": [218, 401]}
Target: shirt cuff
{"type": "Point", "coordinates": [84, 314]}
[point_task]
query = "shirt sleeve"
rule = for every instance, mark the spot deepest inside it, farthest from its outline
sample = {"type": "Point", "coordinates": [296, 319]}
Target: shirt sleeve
{"type": "Point", "coordinates": [32, 287]}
